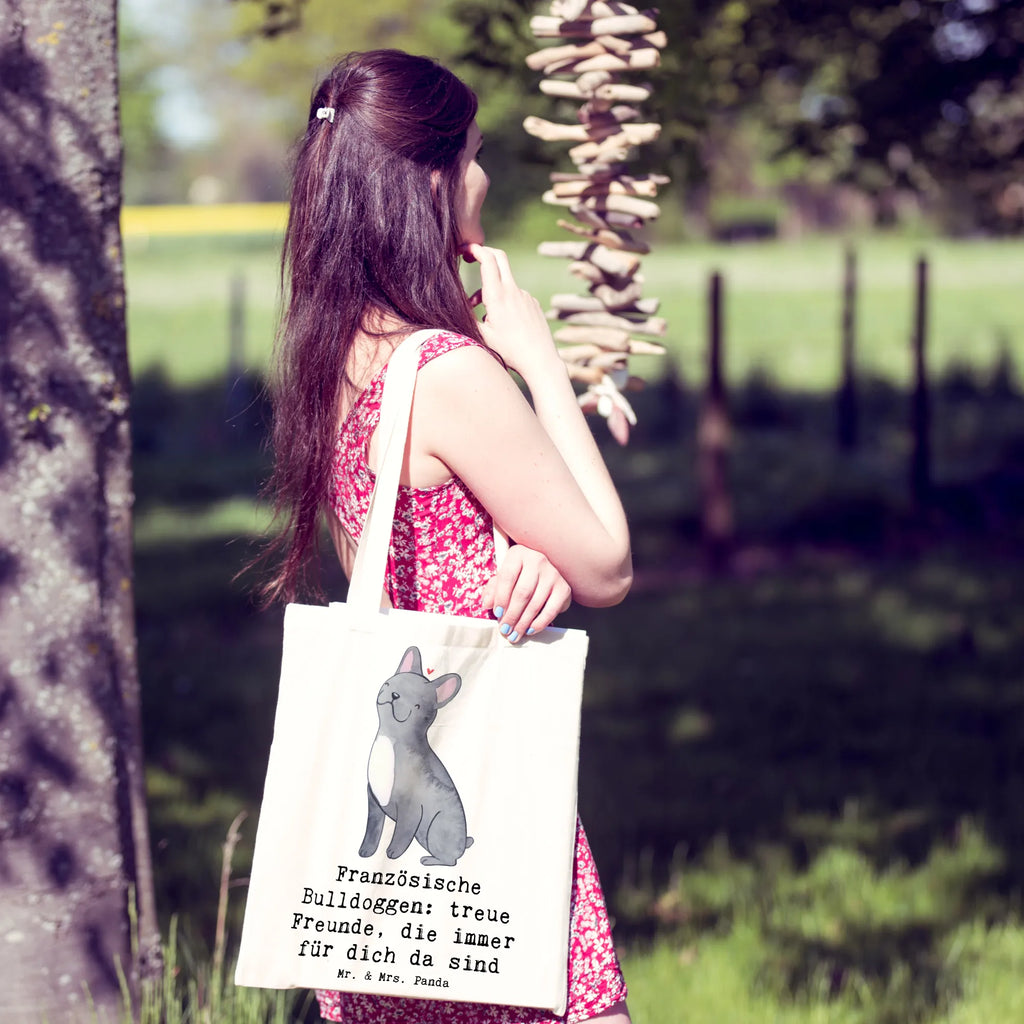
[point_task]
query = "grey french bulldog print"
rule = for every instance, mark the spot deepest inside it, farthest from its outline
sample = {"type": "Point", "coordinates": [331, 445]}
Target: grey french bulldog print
{"type": "Point", "coordinates": [406, 780]}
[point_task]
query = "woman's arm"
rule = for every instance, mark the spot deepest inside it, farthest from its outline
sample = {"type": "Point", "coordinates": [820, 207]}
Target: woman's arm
{"type": "Point", "coordinates": [539, 473]}
{"type": "Point", "coordinates": [527, 588]}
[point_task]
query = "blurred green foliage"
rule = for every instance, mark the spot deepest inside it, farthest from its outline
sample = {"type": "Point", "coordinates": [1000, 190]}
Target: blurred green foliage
{"type": "Point", "coordinates": [889, 96]}
{"type": "Point", "coordinates": [886, 94]}
{"type": "Point", "coordinates": [149, 150]}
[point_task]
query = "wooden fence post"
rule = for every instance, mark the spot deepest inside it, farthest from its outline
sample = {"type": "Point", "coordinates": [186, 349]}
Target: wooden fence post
{"type": "Point", "coordinates": [846, 399]}
{"type": "Point", "coordinates": [240, 392]}
{"type": "Point", "coordinates": [920, 464]}
{"type": "Point", "coordinates": [236, 327]}
{"type": "Point", "coordinates": [713, 439]}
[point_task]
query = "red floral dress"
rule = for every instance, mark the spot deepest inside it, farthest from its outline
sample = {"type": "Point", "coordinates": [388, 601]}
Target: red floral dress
{"type": "Point", "coordinates": [442, 556]}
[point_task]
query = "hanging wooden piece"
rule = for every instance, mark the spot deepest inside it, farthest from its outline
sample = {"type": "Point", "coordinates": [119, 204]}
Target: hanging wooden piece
{"type": "Point", "coordinates": [599, 42]}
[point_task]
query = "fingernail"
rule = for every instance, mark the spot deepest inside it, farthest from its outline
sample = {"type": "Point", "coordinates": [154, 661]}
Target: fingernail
{"type": "Point", "coordinates": [498, 612]}
{"type": "Point", "coordinates": [531, 631]}
{"type": "Point", "coordinates": [513, 638]}
{"type": "Point", "coordinates": [505, 627]}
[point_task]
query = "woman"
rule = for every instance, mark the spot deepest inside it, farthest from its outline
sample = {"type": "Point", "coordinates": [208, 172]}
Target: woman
{"type": "Point", "coordinates": [387, 195]}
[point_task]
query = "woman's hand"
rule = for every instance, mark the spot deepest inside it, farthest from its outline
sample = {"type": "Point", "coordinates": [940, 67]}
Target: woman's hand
{"type": "Point", "coordinates": [526, 593]}
{"type": "Point", "coordinates": [515, 325]}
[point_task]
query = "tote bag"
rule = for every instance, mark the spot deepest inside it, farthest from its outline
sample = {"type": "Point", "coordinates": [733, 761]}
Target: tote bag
{"type": "Point", "coordinates": [416, 836]}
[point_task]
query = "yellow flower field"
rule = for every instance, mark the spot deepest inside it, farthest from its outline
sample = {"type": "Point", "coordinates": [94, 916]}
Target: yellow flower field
{"type": "Point", "coordinates": [198, 219]}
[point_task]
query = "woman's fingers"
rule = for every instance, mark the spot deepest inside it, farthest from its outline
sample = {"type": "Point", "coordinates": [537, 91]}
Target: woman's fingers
{"type": "Point", "coordinates": [504, 267]}
{"type": "Point", "coordinates": [490, 268]}
{"type": "Point", "coordinates": [546, 603]}
{"type": "Point", "coordinates": [515, 326]}
{"type": "Point", "coordinates": [495, 269]}
{"type": "Point", "coordinates": [489, 292]}
{"type": "Point", "coordinates": [527, 593]}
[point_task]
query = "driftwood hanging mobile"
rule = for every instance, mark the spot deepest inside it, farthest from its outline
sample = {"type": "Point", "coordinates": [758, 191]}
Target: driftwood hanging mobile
{"type": "Point", "coordinates": [597, 329]}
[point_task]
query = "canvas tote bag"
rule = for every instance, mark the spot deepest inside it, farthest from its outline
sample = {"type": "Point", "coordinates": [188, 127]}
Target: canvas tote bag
{"type": "Point", "coordinates": [416, 836]}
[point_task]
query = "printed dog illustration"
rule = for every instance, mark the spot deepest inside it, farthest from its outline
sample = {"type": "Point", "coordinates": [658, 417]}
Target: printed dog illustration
{"type": "Point", "coordinates": [406, 780]}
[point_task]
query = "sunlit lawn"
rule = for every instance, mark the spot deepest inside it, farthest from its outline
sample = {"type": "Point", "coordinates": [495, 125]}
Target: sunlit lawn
{"type": "Point", "coordinates": [782, 303]}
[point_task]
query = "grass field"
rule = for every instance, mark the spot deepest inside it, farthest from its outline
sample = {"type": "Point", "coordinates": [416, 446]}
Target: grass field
{"type": "Point", "coordinates": [803, 779]}
{"type": "Point", "coordinates": [782, 303]}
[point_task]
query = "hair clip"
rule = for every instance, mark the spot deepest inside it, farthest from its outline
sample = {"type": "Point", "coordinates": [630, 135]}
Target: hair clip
{"type": "Point", "coordinates": [325, 114]}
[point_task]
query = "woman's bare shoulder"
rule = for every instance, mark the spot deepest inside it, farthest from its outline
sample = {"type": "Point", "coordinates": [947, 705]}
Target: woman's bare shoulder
{"type": "Point", "coordinates": [465, 375]}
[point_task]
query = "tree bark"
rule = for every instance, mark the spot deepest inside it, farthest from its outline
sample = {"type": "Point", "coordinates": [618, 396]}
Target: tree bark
{"type": "Point", "coordinates": [73, 834]}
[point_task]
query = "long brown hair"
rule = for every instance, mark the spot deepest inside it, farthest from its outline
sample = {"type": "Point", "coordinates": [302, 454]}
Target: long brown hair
{"type": "Point", "coordinates": [371, 233]}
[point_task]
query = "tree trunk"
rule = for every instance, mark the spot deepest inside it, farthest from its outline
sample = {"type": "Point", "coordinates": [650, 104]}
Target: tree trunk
{"type": "Point", "coordinates": [73, 834]}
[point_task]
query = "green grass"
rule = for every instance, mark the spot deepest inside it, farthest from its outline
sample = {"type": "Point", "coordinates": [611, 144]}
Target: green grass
{"type": "Point", "coordinates": [191, 990]}
{"type": "Point", "coordinates": [782, 304]}
{"type": "Point", "coordinates": [802, 779]}
{"type": "Point", "coordinates": [816, 776]}
{"type": "Point", "coordinates": [179, 300]}
{"type": "Point", "coordinates": [783, 957]}
{"type": "Point", "coordinates": [232, 517]}
{"type": "Point", "coordinates": [717, 980]}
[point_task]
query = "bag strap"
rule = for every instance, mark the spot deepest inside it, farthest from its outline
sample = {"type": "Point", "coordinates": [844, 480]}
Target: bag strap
{"type": "Point", "coordinates": [370, 566]}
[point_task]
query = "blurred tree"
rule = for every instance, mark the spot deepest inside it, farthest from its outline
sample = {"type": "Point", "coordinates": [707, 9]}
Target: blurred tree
{"type": "Point", "coordinates": [254, 64]}
{"type": "Point", "coordinates": [287, 42]}
{"type": "Point", "coordinates": [149, 166]}
{"type": "Point", "coordinates": [927, 94]}
{"type": "Point", "coordinates": [278, 16]}
{"type": "Point", "coordinates": [73, 835]}
{"type": "Point", "coordinates": [884, 94]}
{"type": "Point", "coordinates": [284, 64]}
